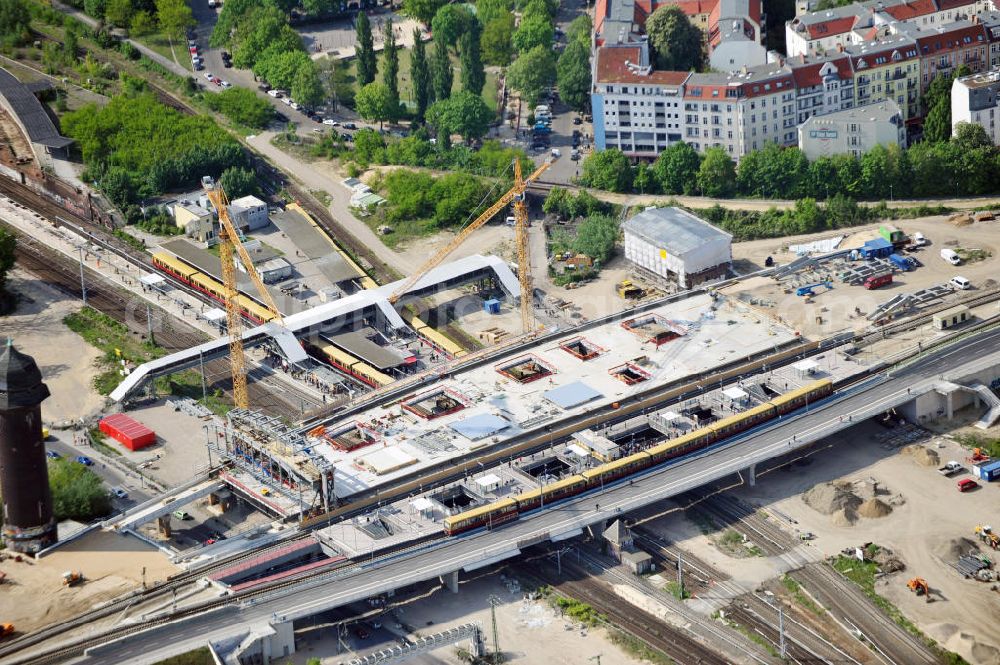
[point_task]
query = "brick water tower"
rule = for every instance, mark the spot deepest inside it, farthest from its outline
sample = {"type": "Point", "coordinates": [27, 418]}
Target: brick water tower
{"type": "Point", "coordinates": [28, 525]}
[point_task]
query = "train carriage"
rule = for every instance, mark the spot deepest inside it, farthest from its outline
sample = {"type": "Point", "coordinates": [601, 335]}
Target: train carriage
{"type": "Point", "coordinates": [489, 516]}
{"type": "Point", "coordinates": [620, 468]}
{"type": "Point", "coordinates": [552, 492]}
{"type": "Point", "coordinates": [742, 421]}
{"type": "Point", "coordinates": [796, 399]}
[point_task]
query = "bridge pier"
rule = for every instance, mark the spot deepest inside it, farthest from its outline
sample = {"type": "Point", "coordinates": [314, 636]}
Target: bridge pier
{"type": "Point", "coordinates": [163, 525]}
{"type": "Point", "coordinates": [752, 475]}
{"type": "Point", "coordinates": [450, 580]}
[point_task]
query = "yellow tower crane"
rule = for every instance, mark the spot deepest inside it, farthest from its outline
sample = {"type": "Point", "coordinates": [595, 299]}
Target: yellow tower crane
{"type": "Point", "coordinates": [515, 194]}
{"type": "Point", "coordinates": [229, 242]}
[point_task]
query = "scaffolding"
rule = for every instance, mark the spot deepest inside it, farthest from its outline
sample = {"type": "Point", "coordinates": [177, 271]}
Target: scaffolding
{"type": "Point", "coordinates": [278, 457]}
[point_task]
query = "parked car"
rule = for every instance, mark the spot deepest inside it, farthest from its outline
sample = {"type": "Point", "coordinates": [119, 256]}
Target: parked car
{"type": "Point", "coordinates": [350, 125]}
{"type": "Point", "coordinates": [182, 514]}
{"type": "Point", "coordinates": [277, 94]}
{"type": "Point", "coordinates": [346, 136]}
{"type": "Point", "coordinates": [226, 56]}
{"type": "Point", "coordinates": [119, 492]}
{"type": "Point", "coordinates": [264, 87]}
{"type": "Point", "coordinates": [961, 283]}
{"type": "Point", "coordinates": [294, 105]}
{"type": "Point", "coordinates": [227, 64]}
{"type": "Point", "coordinates": [198, 66]}
{"type": "Point", "coordinates": [51, 454]}
{"type": "Point", "coordinates": [226, 84]}
{"type": "Point", "coordinates": [577, 120]}
{"type": "Point", "coordinates": [919, 240]}
{"type": "Point", "coordinates": [193, 50]}
{"type": "Point", "coordinates": [331, 122]}
{"type": "Point", "coordinates": [84, 460]}
{"type": "Point", "coordinates": [209, 75]}
{"type": "Point", "coordinates": [966, 484]}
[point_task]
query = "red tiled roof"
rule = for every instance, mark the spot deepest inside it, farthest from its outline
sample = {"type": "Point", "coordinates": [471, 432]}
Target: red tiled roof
{"type": "Point", "coordinates": [755, 10]}
{"type": "Point", "coordinates": [600, 11]}
{"type": "Point", "coordinates": [908, 10]}
{"type": "Point", "coordinates": [807, 75]}
{"type": "Point", "coordinates": [944, 5]}
{"type": "Point", "coordinates": [835, 26]}
{"type": "Point", "coordinates": [611, 68]}
{"type": "Point", "coordinates": [952, 40]}
{"type": "Point", "coordinates": [779, 83]}
{"type": "Point", "coordinates": [689, 7]}
{"type": "Point", "coordinates": [705, 91]}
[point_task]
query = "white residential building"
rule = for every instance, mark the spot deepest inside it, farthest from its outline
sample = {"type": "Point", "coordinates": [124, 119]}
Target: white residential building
{"type": "Point", "coordinates": [853, 131]}
{"type": "Point", "coordinates": [976, 99]}
{"type": "Point", "coordinates": [673, 244]}
{"type": "Point", "coordinates": [248, 212]}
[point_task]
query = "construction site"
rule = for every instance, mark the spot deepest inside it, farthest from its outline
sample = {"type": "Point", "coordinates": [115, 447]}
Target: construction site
{"type": "Point", "coordinates": [416, 441]}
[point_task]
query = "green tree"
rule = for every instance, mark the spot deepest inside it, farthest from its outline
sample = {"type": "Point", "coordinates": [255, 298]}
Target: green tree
{"type": "Point", "coordinates": [242, 106]}
{"type": "Point", "coordinates": [596, 236]}
{"type": "Point", "coordinates": [175, 17]}
{"type": "Point", "coordinates": [307, 88]}
{"type": "Point", "coordinates": [643, 180]}
{"type": "Point", "coordinates": [463, 113]}
{"type": "Point", "coordinates": [142, 24]}
{"type": "Point", "coordinates": [441, 73]}
{"type": "Point", "coordinates": [8, 242]}
{"type": "Point", "coordinates": [71, 42]}
{"type": "Point", "coordinates": [390, 68]}
{"type": "Point", "coordinates": [237, 182]}
{"type": "Point", "coordinates": [937, 124]}
{"type": "Point", "coordinates": [717, 174]}
{"type": "Point", "coordinates": [533, 31]}
{"type": "Point", "coordinates": [676, 169]}
{"type": "Point", "coordinates": [971, 136]}
{"type": "Point", "coordinates": [497, 47]}
{"type": "Point", "coordinates": [609, 170]}
{"type": "Point", "coordinates": [488, 11]}
{"type": "Point", "coordinates": [365, 50]}
{"type": "Point", "coordinates": [450, 22]}
{"type": "Point", "coordinates": [77, 492]}
{"type": "Point", "coordinates": [573, 76]}
{"type": "Point", "coordinates": [580, 30]}
{"type": "Point", "coordinates": [234, 12]}
{"type": "Point", "coordinates": [374, 102]}
{"type": "Point", "coordinates": [676, 43]}
{"type": "Point", "coordinates": [423, 92]}
{"type": "Point", "coordinates": [422, 10]}
{"type": "Point", "coordinates": [119, 12]}
{"type": "Point", "coordinates": [532, 72]}
{"type": "Point", "coordinates": [773, 172]}
{"type": "Point", "coordinates": [473, 74]}
{"type": "Point", "coordinates": [95, 8]}
{"type": "Point", "coordinates": [263, 33]}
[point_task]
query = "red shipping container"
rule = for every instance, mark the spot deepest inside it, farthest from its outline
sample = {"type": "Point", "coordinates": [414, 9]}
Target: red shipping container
{"type": "Point", "coordinates": [133, 435]}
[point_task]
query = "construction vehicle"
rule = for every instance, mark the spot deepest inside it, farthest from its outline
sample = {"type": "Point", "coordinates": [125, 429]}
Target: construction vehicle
{"type": "Point", "coordinates": [807, 290]}
{"type": "Point", "coordinates": [978, 455]}
{"type": "Point", "coordinates": [516, 195]}
{"type": "Point", "coordinates": [892, 234]}
{"type": "Point", "coordinates": [629, 290]}
{"type": "Point", "coordinates": [72, 578]}
{"type": "Point", "coordinates": [918, 585]}
{"type": "Point", "coordinates": [875, 281]}
{"type": "Point", "coordinates": [985, 533]}
{"type": "Point", "coordinates": [229, 241]}
{"type": "Point", "coordinates": [6, 629]}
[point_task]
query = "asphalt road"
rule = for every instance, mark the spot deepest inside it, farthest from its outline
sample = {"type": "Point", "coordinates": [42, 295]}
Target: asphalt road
{"type": "Point", "coordinates": [484, 547]}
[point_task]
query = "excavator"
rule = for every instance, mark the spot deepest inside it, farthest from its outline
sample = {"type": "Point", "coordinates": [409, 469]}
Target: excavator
{"type": "Point", "coordinates": [918, 585]}
{"type": "Point", "coordinates": [985, 533]}
{"type": "Point", "coordinates": [6, 629]}
{"type": "Point", "coordinates": [72, 578]}
{"type": "Point", "coordinates": [978, 455]}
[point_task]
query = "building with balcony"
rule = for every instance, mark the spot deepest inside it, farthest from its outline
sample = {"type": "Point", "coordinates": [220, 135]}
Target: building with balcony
{"type": "Point", "coordinates": [976, 99]}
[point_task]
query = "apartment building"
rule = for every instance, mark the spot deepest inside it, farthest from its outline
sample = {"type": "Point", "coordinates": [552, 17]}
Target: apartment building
{"type": "Point", "coordinates": [887, 69]}
{"type": "Point", "coordinates": [976, 99]}
{"type": "Point", "coordinates": [852, 131]}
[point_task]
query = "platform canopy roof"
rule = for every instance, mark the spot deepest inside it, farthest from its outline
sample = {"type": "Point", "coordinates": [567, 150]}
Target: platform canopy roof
{"type": "Point", "coordinates": [572, 394]}
{"type": "Point", "coordinates": [480, 426]}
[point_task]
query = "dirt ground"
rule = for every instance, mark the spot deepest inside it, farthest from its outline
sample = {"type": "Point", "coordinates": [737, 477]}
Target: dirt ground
{"type": "Point", "coordinates": [928, 519]}
{"type": "Point", "coordinates": [66, 361]}
{"type": "Point", "coordinates": [530, 632]}
{"type": "Point", "coordinates": [836, 310]}
{"type": "Point", "coordinates": [34, 596]}
{"type": "Point", "coordinates": [180, 443]}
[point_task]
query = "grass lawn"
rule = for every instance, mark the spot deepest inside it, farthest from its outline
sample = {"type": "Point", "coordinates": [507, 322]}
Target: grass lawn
{"type": "Point", "coordinates": [406, 81]}
{"type": "Point", "coordinates": [160, 43]}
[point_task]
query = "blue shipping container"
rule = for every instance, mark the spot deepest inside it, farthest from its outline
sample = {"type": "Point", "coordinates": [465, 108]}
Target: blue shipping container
{"type": "Point", "coordinates": [988, 472]}
{"type": "Point", "coordinates": [877, 248]}
{"type": "Point", "coordinates": [492, 306]}
{"type": "Point", "coordinates": [903, 263]}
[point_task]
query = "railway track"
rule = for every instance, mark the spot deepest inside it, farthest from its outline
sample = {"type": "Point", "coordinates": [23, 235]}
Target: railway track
{"type": "Point", "coordinates": [840, 596]}
{"type": "Point", "coordinates": [650, 630]}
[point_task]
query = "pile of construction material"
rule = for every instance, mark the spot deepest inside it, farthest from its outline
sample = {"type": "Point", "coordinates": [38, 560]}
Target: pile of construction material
{"type": "Point", "coordinates": [923, 456]}
{"type": "Point", "coordinates": [846, 501]}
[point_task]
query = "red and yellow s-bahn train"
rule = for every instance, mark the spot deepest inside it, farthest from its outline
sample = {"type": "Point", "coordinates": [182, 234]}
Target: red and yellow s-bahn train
{"type": "Point", "coordinates": [508, 509]}
{"type": "Point", "coordinates": [211, 287]}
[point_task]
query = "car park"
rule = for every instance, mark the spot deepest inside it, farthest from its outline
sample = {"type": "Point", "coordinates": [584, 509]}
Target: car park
{"type": "Point", "coordinates": [84, 460]}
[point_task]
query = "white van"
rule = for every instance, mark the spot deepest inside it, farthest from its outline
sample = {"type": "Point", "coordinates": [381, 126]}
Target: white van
{"type": "Point", "coordinates": [951, 257]}
{"type": "Point", "coordinates": [961, 283]}
{"type": "Point", "coordinates": [542, 108]}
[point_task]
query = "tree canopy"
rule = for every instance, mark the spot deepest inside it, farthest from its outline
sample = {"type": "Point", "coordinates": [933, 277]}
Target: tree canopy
{"type": "Point", "coordinates": [496, 41]}
{"type": "Point", "coordinates": [135, 147]}
{"type": "Point", "coordinates": [442, 75]}
{"type": "Point", "coordinates": [534, 30]}
{"type": "Point", "coordinates": [237, 182]}
{"type": "Point", "coordinates": [580, 29]}
{"type": "Point", "coordinates": [574, 77]}
{"type": "Point", "coordinates": [463, 113]}
{"type": "Point", "coordinates": [77, 492]}
{"type": "Point", "coordinates": [676, 169]}
{"type": "Point", "coordinates": [390, 68]}
{"type": "Point", "coordinates": [488, 11]}
{"type": "Point", "coordinates": [423, 92]}
{"type": "Point", "coordinates": [717, 173]}
{"type": "Point", "coordinates": [422, 10]}
{"type": "Point", "coordinates": [608, 169]}
{"type": "Point", "coordinates": [451, 22]}
{"type": "Point", "coordinates": [473, 73]}
{"type": "Point", "coordinates": [175, 17]}
{"type": "Point", "coordinates": [596, 236]}
{"type": "Point", "coordinates": [241, 106]}
{"type": "Point", "coordinates": [532, 72]}
{"type": "Point", "coordinates": [14, 22]}
{"type": "Point", "coordinates": [365, 50]}
{"type": "Point", "coordinates": [374, 102]}
{"type": "Point", "coordinates": [676, 43]}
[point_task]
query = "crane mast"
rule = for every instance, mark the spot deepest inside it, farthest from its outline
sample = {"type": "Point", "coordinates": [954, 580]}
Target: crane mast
{"type": "Point", "coordinates": [523, 252]}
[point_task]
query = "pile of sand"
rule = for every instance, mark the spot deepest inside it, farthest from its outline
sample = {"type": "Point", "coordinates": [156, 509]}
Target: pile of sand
{"type": "Point", "coordinates": [887, 561]}
{"type": "Point", "coordinates": [844, 517]}
{"type": "Point", "coordinates": [874, 508]}
{"type": "Point", "coordinates": [829, 498]}
{"type": "Point", "coordinates": [957, 547]}
{"type": "Point", "coordinates": [923, 456]}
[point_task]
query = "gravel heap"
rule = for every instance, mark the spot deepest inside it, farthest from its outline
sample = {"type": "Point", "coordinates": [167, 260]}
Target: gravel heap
{"type": "Point", "coordinates": [923, 456]}
{"type": "Point", "coordinates": [874, 508]}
